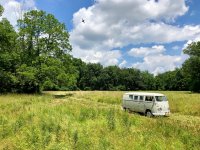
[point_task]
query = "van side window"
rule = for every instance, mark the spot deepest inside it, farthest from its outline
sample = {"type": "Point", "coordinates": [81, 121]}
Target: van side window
{"type": "Point", "coordinates": [149, 98]}
{"type": "Point", "coordinates": [131, 96]}
{"type": "Point", "coordinates": [141, 98]}
{"type": "Point", "coordinates": [136, 98]}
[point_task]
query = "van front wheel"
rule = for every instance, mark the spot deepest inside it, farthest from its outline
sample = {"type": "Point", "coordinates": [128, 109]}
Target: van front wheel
{"type": "Point", "coordinates": [148, 113]}
{"type": "Point", "coordinates": [124, 108]}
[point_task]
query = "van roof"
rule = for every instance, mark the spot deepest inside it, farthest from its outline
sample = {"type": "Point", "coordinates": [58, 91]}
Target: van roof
{"type": "Point", "coordinates": [144, 93]}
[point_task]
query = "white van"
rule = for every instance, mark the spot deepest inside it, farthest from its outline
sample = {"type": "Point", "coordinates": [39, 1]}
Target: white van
{"type": "Point", "coordinates": [151, 104]}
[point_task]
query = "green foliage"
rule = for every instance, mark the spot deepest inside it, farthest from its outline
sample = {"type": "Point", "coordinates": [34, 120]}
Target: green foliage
{"type": "Point", "coordinates": [8, 82]}
{"type": "Point", "coordinates": [193, 49]}
{"type": "Point", "coordinates": [42, 34]}
{"type": "Point", "coordinates": [35, 58]}
{"type": "Point", "coordinates": [8, 36]}
{"type": "Point", "coordinates": [191, 66]}
{"type": "Point", "coordinates": [96, 77]}
{"type": "Point", "coordinates": [54, 75]}
{"type": "Point", "coordinates": [172, 80]}
{"type": "Point", "coordinates": [27, 78]}
{"type": "Point", "coordinates": [1, 10]}
{"type": "Point", "coordinates": [9, 57]}
{"type": "Point", "coordinates": [49, 85]}
{"type": "Point", "coordinates": [131, 78]}
{"type": "Point", "coordinates": [90, 76]}
{"type": "Point", "coordinates": [109, 78]}
{"type": "Point", "coordinates": [148, 81]}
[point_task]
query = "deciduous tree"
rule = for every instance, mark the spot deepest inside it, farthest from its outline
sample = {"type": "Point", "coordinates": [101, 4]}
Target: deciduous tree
{"type": "Point", "coordinates": [191, 67]}
{"type": "Point", "coordinates": [8, 55]}
{"type": "Point", "coordinates": [41, 34]}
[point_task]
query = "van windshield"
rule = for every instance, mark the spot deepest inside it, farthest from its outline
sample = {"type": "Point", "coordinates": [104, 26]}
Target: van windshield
{"type": "Point", "coordinates": [160, 98]}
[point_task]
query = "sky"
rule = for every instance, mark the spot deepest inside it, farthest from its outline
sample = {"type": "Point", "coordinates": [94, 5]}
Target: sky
{"type": "Point", "coordinates": [144, 34]}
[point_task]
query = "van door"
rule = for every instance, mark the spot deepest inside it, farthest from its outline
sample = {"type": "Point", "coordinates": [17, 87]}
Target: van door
{"type": "Point", "coordinates": [140, 104]}
{"type": "Point", "coordinates": [148, 103]}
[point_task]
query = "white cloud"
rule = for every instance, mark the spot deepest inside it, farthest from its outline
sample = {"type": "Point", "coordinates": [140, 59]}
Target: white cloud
{"type": "Point", "coordinates": [146, 51]}
{"type": "Point", "coordinates": [154, 59]}
{"type": "Point", "coordinates": [106, 58]}
{"type": "Point", "coordinates": [160, 63]}
{"type": "Point", "coordinates": [123, 64]}
{"type": "Point", "coordinates": [137, 11]}
{"type": "Point", "coordinates": [114, 24]}
{"type": "Point", "coordinates": [14, 9]}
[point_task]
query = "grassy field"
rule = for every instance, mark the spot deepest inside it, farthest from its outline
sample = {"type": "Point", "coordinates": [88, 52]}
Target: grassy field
{"type": "Point", "coordinates": [94, 120]}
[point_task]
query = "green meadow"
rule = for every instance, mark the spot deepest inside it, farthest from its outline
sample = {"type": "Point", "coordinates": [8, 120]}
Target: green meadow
{"type": "Point", "coordinates": [94, 120]}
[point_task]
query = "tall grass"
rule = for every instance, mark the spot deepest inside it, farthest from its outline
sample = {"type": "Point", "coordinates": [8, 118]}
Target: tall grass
{"type": "Point", "coordinates": [94, 120]}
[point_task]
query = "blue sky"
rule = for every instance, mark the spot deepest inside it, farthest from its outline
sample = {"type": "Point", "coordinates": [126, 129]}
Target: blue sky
{"type": "Point", "coordinates": [63, 9]}
{"type": "Point", "coordinates": [143, 34]}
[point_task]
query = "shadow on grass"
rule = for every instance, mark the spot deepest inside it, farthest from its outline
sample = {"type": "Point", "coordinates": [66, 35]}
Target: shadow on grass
{"type": "Point", "coordinates": [63, 95]}
{"type": "Point", "coordinates": [144, 115]}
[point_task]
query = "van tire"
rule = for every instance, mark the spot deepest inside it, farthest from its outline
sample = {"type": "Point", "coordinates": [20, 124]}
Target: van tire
{"type": "Point", "coordinates": [125, 109]}
{"type": "Point", "coordinates": [149, 114]}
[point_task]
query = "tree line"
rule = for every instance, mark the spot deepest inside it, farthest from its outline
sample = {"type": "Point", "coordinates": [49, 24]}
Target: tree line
{"type": "Point", "coordinates": [35, 57]}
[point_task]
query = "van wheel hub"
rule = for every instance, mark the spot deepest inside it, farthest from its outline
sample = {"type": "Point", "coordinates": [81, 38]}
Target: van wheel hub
{"type": "Point", "coordinates": [149, 114]}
